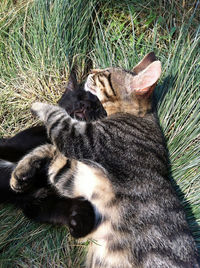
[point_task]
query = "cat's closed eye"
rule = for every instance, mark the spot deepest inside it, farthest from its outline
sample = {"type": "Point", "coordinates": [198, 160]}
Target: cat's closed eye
{"type": "Point", "coordinates": [91, 79]}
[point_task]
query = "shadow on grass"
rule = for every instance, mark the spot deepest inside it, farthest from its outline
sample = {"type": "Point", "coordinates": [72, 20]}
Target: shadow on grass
{"type": "Point", "coordinates": [162, 89]}
{"type": "Point", "coordinates": [159, 95]}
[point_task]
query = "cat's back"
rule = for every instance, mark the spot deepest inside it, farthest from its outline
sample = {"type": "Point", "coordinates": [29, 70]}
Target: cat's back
{"type": "Point", "coordinates": [152, 222]}
{"type": "Point", "coordinates": [128, 145]}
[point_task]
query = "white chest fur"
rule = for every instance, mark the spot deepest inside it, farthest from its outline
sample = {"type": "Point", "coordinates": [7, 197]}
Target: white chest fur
{"type": "Point", "coordinates": [88, 180]}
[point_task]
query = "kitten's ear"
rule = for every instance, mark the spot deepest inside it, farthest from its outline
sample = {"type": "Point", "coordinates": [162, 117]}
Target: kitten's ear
{"type": "Point", "coordinates": [144, 63]}
{"type": "Point", "coordinates": [72, 82]}
{"type": "Point", "coordinates": [146, 80]}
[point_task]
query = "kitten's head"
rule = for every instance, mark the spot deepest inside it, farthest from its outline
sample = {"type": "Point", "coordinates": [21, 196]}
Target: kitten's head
{"type": "Point", "coordinates": [80, 104]}
{"type": "Point", "coordinates": [126, 91]}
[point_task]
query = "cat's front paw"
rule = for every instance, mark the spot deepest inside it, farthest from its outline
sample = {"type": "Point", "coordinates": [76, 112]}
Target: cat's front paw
{"type": "Point", "coordinates": [40, 110]}
{"type": "Point", "coordinates": [22, 178]}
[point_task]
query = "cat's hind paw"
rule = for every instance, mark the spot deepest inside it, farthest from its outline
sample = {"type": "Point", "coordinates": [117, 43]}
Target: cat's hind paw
{"type": "Point", "coordinates": [22, 177]}
{"type": "Point", "coordinates": [81, 220]}
{"type": "Point", "coordinates": [19, 183]}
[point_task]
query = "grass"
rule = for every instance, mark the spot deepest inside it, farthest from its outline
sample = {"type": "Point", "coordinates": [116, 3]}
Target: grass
{"type": "Point", "coordinates": [32, 245]}
{"type": "Point", "coordinates": [39, 42]}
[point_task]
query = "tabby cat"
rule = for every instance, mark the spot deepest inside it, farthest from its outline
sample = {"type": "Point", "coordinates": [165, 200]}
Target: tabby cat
{"type": "Point", "coordinates": [119, 164]}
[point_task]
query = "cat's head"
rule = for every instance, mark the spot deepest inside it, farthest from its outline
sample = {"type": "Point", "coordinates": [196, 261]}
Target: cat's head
{"type": "Point", "coordinates": [80, 104]}
{"type": "Point", "coordinates": [120, 90]}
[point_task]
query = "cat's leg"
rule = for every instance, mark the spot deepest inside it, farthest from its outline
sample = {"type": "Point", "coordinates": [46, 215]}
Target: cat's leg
{"type": "Point", "coordinates": [14, 148]}
{"type": "Point", "coordinates": [6, 168]}
{"type": "Point", "coordinates": [46, 206]}
{"type": "Point", "coordinates": [29, 167]}
{"type": "Point", "coordinates": [68, 134]}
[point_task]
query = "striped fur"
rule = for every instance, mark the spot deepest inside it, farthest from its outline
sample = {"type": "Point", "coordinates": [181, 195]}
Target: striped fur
{"type": "Point", "coordinates": [122, 170]}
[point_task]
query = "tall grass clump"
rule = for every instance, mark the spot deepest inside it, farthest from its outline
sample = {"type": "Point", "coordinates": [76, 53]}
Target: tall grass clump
{"type": "Point", "coordinates": [39, 42]}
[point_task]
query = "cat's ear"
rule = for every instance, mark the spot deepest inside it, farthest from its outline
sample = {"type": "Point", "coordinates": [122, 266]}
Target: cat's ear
{"type": "Point", "coordinates": [72, 82]}
{"type": "Point", "coordinates": [144, 63]}
{"type": "Point", "coordinates": [145, 81]}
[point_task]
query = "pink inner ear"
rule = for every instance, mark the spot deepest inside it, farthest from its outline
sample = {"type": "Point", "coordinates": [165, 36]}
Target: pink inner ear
{"type": "Point", "coordinates": [144, 63]}
{"type": "Point", "coordinates": [142, 82]}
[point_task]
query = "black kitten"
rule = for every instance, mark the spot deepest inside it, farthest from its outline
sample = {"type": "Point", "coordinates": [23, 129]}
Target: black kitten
{"type": "Point", "coordinates": [42, 203]}
{"type": "Point", "coordinates": [78, 103]}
